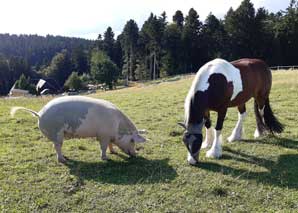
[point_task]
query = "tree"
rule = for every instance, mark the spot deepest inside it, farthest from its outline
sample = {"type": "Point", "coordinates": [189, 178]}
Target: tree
{"type": "Point", "coordinates": [39, 50]}
{"type": "Point", "coordinates": [287, 34]}
{"type": "Point", "coordinates": [214, 39]}
{"type": "Point", "coordinates": [178, 19]}
{"type": "Point", "coordinates": [103, 70]}
{"type": "Point", "coordinates": [24, 83]}
{"type": "Point", "coordinates": [109, 43]}
{"type": "Point", "coordinates": [239, 25]}
{"type": "Point", "coordinates": [5, 82]}
{"type": "Point", "coordinates": [173, 47]}
{"type": "Point", "coordinates": [191, 41]}
{"type": "Point", "coordinates": [18, 66]}
{"type": "Point", "coordinates": [264, 36]}
{"type": "Point", "coordinates": [130, 37]}
{"type": "Point", "coordinates": [74, 82]}
{"type": "Point", "coordinates": [152, 34]}
{"type": "Point", "coordinates": [60, 67]}
{"type": "Point", "coordinates": [98, 45]}
{"type": "Point", "coordinates": [80, 60]}
{"type": "Point", "coordinates": [118, 53]}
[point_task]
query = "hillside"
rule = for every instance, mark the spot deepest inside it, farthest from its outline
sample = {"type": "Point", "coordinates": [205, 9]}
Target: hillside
{"type": "Point", "coordinates": [38, 50]}
{"type": "Point", "coordinates": [252, 176]}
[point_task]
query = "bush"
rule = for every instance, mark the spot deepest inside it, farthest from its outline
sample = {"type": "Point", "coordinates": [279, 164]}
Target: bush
{"type": "Point", "coordinates": [24, 83]}
{"type": "Point", "coordinates": [86, 78]}
{"type": "Point", "coordinates": [74, 82]}
{"type": "Point", "coordinates": [103, 70]}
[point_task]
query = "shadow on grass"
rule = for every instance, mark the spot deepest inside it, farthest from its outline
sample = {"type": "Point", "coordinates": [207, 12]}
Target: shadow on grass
{"type": "Point", "coordinates": [282, 173]}
{"type": "Point", "coordinates": [132, 171]}
{"type": "Point", "coordinates": [283, 142]}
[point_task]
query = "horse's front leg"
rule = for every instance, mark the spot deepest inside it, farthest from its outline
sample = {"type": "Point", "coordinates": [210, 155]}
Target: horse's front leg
{"type": "Point", "coordinates": [237, 133]}
{"type": "Point", "coordinates": [216, 149]}
{"type": "Point", "coordinates": [209, 137]}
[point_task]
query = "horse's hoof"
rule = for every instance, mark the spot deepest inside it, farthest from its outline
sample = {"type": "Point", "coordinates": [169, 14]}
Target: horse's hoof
{"type": "Point", "coordinates": [205, 145]}
{"type": "Point", "coordinates": [232, 139]}
{"type": "Point", "coordinates": [191, 160]}
{"type": "Point", "coordinates": [257, 134]}
{"type": "Point", "coordinates": [213, 154]}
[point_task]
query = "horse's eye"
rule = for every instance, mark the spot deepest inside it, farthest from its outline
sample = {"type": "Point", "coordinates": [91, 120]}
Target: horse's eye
{"type": "Point", "coordinates": [186, 136]}
{"type": "Point", "coordinates": [132, 140]}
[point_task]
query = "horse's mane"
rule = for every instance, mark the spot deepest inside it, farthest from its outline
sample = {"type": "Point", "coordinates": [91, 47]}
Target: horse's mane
{"type": "Point", "coordinates": [188, 102]}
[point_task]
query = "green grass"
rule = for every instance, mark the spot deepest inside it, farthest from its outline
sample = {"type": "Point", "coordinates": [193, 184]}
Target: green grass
{"type": "Point", "coordinates": [252, 176]}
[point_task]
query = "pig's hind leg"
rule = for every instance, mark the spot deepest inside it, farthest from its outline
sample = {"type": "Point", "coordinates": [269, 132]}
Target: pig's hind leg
{"type": "Point", "coordinates": [58, 147]}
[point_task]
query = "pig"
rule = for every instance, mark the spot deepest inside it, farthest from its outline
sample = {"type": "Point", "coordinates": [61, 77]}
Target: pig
{"type": "Point", "coordinates": [83, 117]}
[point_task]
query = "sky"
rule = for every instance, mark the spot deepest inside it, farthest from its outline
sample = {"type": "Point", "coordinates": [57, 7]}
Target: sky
{"type": "Point", "coordinates": [88, 18]}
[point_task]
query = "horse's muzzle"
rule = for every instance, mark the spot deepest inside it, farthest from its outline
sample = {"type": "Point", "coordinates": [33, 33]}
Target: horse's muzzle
{"type": "Point", "coordinates": [193, 143]}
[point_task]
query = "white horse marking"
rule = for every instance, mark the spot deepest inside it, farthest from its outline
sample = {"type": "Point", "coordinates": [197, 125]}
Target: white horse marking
{"type": "Point", "coordinates": [200, 82]}
{"type": "Point", "coordinates": [237, 133]}
{"type": "Point", "coordinates": [261, 111]}
{"type": "Point", "coordinates": [190, 159]}
{"type": "Point", "coordinates": [257, 133]}
{"type": "Point", "coordinates": [216, 150]}
{"type": "Point", "coordinates": [208, 138]}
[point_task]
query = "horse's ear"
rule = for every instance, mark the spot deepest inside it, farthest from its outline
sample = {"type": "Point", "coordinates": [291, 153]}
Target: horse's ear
{"type": "Point", "coordinates": [182, 125]}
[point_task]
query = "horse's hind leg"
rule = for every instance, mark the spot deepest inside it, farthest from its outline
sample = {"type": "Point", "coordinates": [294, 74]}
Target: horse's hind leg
{"type": "Point", "coordinates": [209, 132]}
{"type": "Point", "coordinates": [237, 132]}
{"type": "Point", "coordinates": [266, 120]}
{"type": "Point", "coordinates": [259, 106]}
{"type": "Point", "coordinates": [216, 149]}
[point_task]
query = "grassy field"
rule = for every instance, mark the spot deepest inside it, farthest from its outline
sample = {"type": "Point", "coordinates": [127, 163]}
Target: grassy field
{"type": "Point", "coordinates": [252, 176]}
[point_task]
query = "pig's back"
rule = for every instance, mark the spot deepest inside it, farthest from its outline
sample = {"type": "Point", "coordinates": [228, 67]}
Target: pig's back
{"type": "Point", "coordinates": [78, 115]}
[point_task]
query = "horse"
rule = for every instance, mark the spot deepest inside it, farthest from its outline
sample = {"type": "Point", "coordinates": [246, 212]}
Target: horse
{"type": "Point", "coordinates": [218, 85]}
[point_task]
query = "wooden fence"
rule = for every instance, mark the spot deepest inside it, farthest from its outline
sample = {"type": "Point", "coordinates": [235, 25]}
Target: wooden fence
{"type": "Point", "coordinates": [295, 67]}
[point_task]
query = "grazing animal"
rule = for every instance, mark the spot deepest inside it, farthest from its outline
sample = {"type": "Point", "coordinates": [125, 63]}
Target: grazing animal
{"type": "Point", "coordinates": [219, 85]}
{"type": "Point", "coordinates": [82, 117]}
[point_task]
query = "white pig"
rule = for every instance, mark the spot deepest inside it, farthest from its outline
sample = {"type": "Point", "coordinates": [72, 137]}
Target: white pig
{"type": "Point", "coordinates": [82, 117]}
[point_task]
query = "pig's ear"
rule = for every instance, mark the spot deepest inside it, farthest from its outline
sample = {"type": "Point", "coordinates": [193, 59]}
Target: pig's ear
{"type": "Point", "coordinates": [142, 131]}
{"type": "Point", "coordinates": [182, 125]}
{"type": "Point", "coordinates": [138, 138]}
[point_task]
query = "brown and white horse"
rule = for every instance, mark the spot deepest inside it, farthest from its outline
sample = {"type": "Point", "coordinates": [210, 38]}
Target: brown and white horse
{"type": "Point", "coordinates": [217, 86]}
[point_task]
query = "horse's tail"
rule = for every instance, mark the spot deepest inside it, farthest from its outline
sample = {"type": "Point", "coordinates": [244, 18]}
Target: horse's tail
{"type": "Point", "coordinates": [268, 121]}
{"type": "Point", "coordinates": [15, 109]}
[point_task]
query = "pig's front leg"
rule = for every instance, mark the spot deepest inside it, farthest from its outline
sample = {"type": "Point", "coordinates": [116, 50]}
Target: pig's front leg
{"type": "Point", "coordinates": [104, 142]}
{"type": "Point", "coordinates": [112, 150]}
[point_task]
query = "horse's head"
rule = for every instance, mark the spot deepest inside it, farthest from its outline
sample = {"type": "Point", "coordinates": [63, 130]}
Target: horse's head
{"type": "Point", "coordinates": [193, 142]}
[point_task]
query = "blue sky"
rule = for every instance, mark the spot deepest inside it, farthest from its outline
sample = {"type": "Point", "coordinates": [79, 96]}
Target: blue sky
{"type": "Point", "coordinates": [88, 18]}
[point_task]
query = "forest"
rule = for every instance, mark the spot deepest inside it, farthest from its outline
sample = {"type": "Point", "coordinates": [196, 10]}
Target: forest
{"type": "Point", "coordinates": [163, 46]}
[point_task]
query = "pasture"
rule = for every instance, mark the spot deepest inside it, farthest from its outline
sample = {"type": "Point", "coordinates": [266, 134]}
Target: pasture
{"type": "Point", "coordinates": [252, 176]}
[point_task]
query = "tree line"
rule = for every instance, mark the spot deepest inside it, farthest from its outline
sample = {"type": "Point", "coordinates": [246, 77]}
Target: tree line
{"type": "Point", "coordinates": [160, 47]}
